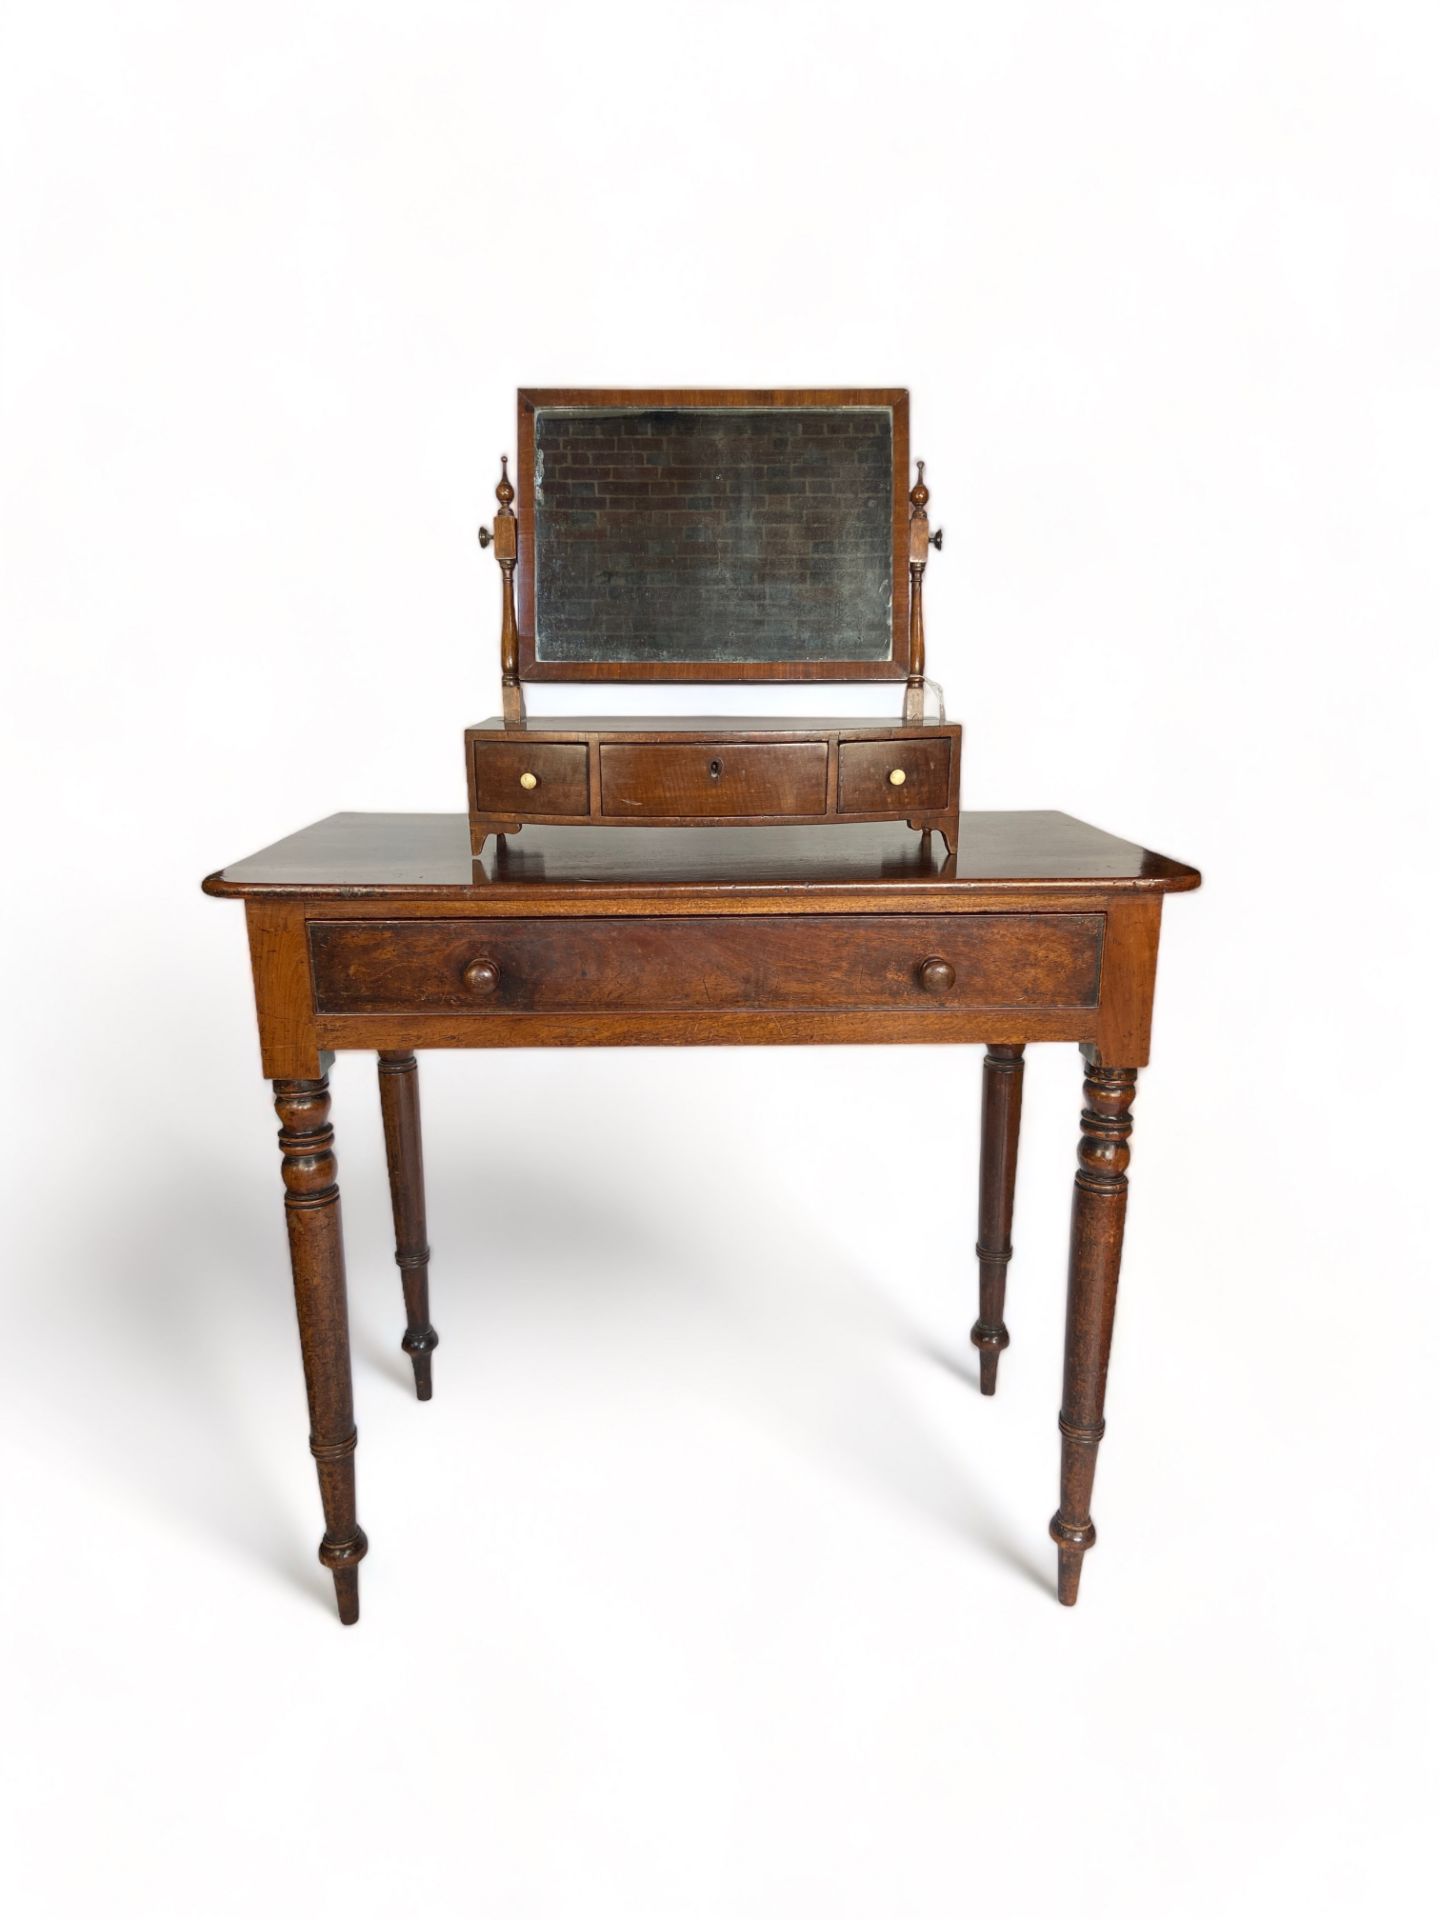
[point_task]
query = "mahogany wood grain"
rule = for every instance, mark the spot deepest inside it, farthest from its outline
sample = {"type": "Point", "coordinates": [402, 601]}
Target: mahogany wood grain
{"type": "Point", "coordinates": [317, 1264]}
{"type": "Point", "coordinates": [1000, 960]}
{"type": "Point", "coordinates": [426, 856]}
{"type": "Point", "coordinates": [918, 542]}
{"type": "Point", "coordinates": [1003, 1083]}
{"type": "Point", "coordinates": [561, 777]}
{"type": "Point", "coordinates": [926, 1025]}
{"type": "Point", "coordinates": [1097, 1235]}
{"type": "Point", "coordinates": [766, 772]}
{"type": "Point", "coordinates": [724, 936]}
{"type": "Point", "coordinates": [1132, 947]}
{"type": "Point", "coordinates": [693, 726]}
{"type": "Point", "coordinates": [733, 778]}
{"type": "Point", "coordinates": [404, 1161]}
{"type": "Point", "coordinates": [866, 785]}
{"type": "Point", "coordinates": [284, 993]}
{"type": "Point", "coordinates": [506, 553]}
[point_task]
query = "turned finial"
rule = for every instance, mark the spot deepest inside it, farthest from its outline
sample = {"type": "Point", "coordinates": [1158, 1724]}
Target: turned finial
{"type": "Point", "coordinates": [919, 493]}
{"type": "Point", "coordinates": [504, 493]}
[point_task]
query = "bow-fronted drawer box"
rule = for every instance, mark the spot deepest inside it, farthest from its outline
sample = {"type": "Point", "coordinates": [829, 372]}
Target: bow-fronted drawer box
{"type": "Point", "coordinates": [710, 773]}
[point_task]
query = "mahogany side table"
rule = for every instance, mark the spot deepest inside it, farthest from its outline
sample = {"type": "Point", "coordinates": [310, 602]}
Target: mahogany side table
{"type": "Point", "coordinates": [378, 931]}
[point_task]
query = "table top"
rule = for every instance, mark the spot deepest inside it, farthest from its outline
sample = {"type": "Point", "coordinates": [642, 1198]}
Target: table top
{"type": "Point", "coordinates": [701, 726]}
{"type": "Point", "coordinates": [427, 856]}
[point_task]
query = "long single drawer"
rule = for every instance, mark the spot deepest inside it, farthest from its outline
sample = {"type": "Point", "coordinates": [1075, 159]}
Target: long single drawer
{"type": "Point", "coordinates": [712, 778]}
{"type": "Point", "coordinates": [530, 778]}
{"type": "Point", "coordinates": [894, 776]}
{"type": "Point", "coordinates": [814, 961]}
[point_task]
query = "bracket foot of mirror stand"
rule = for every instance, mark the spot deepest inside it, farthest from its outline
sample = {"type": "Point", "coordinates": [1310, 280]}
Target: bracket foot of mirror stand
{"type": "Point", "coordinates": [480, 833]}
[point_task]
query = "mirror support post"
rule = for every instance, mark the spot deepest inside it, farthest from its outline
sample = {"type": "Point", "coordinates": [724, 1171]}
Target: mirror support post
{"type": "Point", "coordinates": [914, 710]}
{"type": "Point", "coordinates": [504, 536]}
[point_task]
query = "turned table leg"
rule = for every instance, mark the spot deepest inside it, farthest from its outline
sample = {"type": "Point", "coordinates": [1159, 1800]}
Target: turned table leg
{"type": "Point", "coordinates": [1004, 1082]}
{"type": "Point", "coordinates": [1097, 1233]}
{"type": "Point", "coordinates": [317, 1263]}
{"type": "Point", "coordinates": [400, 1109]}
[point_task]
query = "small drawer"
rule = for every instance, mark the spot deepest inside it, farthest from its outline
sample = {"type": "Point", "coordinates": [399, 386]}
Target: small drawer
{"type": "Point", "coordinates": [868, 782]}
{"type": "Point", "coordinates": [922, 963]}
{"type": "Point", "coordinates": [514, 778]}
{"type": "Point", "coordinates": [715, 779]}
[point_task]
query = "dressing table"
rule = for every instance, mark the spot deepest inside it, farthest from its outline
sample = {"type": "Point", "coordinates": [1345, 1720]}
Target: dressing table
{"type": "Point", "coordinates": [774, 901]}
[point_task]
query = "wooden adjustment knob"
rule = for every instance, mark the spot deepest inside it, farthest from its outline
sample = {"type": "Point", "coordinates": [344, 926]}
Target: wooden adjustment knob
{"type": "Point", "coordinates": [529, 782]}
{"type": "Point", "coordinates": [936, 975]}
{"type": "Point", "coordinates": [481, 976]}
{"type": "Point", "coordinates": [897, 776]}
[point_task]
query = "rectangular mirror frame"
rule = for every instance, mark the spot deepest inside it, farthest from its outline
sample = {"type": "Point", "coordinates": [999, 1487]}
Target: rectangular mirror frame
{"type": "Point", "coordinates": [530, 400]}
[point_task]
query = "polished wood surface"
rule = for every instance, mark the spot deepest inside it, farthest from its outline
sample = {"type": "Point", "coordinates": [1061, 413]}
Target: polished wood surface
{"type": "Point", "coordinates": [1003, 1082]}
{"type": "Point", "coordinates": [730, 777]}
{"type": "Point", "coordinates": [317, 1264]}
{"type": "Point", "coordinates": [505, 541]}
{"type": "Point", "coordinates": [405, 1164]}
{"type": "Point", "coordinates": [427, 855]}
{"type": "Point", "coordinates": [723, 774]}
{"type": "Point", "coordinates": [691, 726]}
{"type": "Point", "coordinates": [919, 541]}
{"type": "Point", "coordinates": [1097, 1234]}
{"type": "Point", "coordinates": [925, 962]}
{"type": "Point", "coordinates": [868, 783]}
{"type": "Point", "coordinates": [518, 779]}
{"type": "Point", "coordinates": [378, 932]}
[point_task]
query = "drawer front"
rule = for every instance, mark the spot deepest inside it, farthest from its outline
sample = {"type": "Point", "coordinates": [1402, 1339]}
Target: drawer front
{"type": "Point", "coordinates": [867, 766]}
{"type": "Point", "coordinates": [815, 962]}
{"type": "Point", "coordinates": [713, 779]}
{"type": "Point", "coordinates": [561, 777]}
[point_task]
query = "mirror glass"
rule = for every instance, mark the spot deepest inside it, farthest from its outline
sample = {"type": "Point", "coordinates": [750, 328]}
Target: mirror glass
{"type": "Point", "coordinates": [713, 534]}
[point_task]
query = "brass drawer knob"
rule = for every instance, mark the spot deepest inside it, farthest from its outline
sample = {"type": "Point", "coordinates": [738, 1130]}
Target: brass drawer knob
{"type": "Point", "coordinates": [481, 976]}
{"type": "Point", "coordinates": [936, 975]}
{"type": "Point", "coordinates": [529, 781]}
{"type": "Point", "coordinates": [897, 776]}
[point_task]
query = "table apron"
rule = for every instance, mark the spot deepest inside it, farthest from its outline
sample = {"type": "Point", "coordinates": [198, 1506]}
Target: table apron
{"type": "Point", "coordinates": [690, 1028]}
{"type": "Point", "coordinates": [295, 1027]}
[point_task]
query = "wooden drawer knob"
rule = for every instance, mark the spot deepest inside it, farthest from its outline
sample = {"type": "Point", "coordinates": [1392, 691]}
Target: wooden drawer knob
{"type": "Point", "coordinates": [897, 776]}
{"type": "Point", "coordinates": [529, 781]}
{"type": "Point", "coordinates": [481, 976]}
{"type": "Point", "coordinates": [936, 975]}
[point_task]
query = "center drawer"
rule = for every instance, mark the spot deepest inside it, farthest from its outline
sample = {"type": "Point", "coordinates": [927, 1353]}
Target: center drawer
{"type": "Point", "coordinates": [690, 782]}
{"type": "Point", "coordinates": [814, 961]}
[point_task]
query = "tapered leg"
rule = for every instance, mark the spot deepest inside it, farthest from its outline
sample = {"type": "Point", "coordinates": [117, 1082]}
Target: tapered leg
{"type": "Point", "coordinates": [317, 1262]}
{"type": "Point", "coordinates": [400, 1109]}
{"type": "Point", "coordinates": [1097, 1233]}
{"type": "Point", "coordinates": [1004, 1082]}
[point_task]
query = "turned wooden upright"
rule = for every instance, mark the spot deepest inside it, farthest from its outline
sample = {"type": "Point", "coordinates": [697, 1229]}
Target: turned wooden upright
{"type": "Point", "coordinates": [400, 1111]}
{"type": "Point", "coordinates": [317, 1264]}
{"type": "Point", "coordinates": [505, 538]}
{"type": "Point", "coordinates": [921, 541]}
{"type": "Point", "coordinates": [1097, 1232]}
{"type": "Point", "coordinates": [999, 1155]}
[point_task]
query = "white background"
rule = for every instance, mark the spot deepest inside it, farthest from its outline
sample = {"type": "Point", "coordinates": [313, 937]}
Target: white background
{"type": "Point", "coordinates": [708, 1585]}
